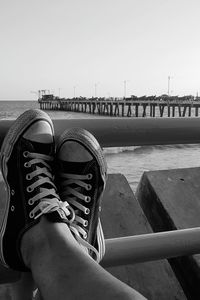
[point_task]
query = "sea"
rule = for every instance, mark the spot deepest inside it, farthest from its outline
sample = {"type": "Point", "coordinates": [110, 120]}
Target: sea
{"type": "Point", "coordinates": [132, 162]}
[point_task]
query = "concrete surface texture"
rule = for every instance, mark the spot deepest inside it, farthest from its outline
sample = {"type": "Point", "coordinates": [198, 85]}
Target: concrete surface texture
{"type": "Point", "coordinates": [123, 216]}
{"type": "Point", "coordinates": [170, 200]}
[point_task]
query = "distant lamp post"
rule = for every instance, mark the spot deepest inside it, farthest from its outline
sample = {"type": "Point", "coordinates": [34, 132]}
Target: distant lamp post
{"type": "Point", "coordinates": [168, 85]}
{"type": "Point", "coordinates": [125, 87]}
{"type": "Point", "coordinates": [95, 89]}
{"type": "Point", "coordinates": [169, 91]}
{"type": "Point", "coordinates": [74, 91]}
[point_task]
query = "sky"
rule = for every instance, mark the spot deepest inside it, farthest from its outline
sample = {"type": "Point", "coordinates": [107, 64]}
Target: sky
{"type": "Point", "coordinates": [99, 48]}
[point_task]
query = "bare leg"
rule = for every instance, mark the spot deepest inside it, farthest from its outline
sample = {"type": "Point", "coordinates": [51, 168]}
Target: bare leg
{"type": "Point", "coordinates": [62, 270]}
{"type": "Point", "coordinates": [23, 289]}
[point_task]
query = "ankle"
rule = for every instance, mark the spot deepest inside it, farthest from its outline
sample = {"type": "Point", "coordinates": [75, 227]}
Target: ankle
{"type": "Point", "coordinates": [43, 238]}
{"type": "Point", "coordinates": [33, 240]}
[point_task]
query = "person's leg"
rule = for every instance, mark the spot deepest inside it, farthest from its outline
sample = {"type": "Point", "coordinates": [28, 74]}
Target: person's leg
{"type": "Point", "coordinates": [23, 288]}
{"type": "Point", "coordinates": [62, 270]}
{"type": "Point", "coordinates": [81, 179]}
{"type": "Point", "coordinates": [26, 158]}
{"type": "Point", "coordinates": [39, 232]}
{"type": "Point", "coordinates": [79, 155]}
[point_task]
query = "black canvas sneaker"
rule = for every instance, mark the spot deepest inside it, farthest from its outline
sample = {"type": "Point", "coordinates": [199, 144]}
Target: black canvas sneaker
{"type": "Point", "coordinates": [81, 180]}
{"type": "Point", "coordinates": [26, 165]}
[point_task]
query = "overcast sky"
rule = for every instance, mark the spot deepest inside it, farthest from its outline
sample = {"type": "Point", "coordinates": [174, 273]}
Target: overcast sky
{"type": "Point", "coordinates": [107, 47]}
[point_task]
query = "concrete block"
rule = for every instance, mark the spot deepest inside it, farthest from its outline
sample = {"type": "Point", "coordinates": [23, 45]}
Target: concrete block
{"type": "Point", "coordinates": [123, 216]}
{"type": "Point", "coordinates": [170, 200]}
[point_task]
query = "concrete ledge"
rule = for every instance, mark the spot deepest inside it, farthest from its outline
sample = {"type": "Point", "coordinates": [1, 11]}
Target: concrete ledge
{"type": "Point", "coordinates": [123, 216]}
{"type": "Point", "coordinates": [171, 200]}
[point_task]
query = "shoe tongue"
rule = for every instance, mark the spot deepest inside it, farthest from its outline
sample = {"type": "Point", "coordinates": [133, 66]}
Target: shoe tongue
{"type": "Point", "coordinates": [74, 167]}
{"type": "Point", "coordinates": [43, 148]}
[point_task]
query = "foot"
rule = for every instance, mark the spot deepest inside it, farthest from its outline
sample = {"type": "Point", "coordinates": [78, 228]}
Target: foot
{"type": "Point", "coordinates": [26, 164]}
{"type": "Point", "coordinates": [81, 180]}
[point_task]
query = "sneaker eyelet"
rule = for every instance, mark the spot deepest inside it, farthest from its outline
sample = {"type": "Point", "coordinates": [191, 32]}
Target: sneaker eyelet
{"type": "Point", "coordinates": [28, 177]}
{"type": "Point", "coordinates": [12, 192]}
{"type": "Point", "coordinates": [87, 199]}
{"type": "Point", "coordinates": [89, 176]}
{"type": "Point", "coordinates": [27, 165]}
{"type": "Point", "coordinates": [30, 202]}
{"type": "Point", "coordinates": [31, 215]}
{"type": "Point", "coordinates": [29, 189]}
{"type": "Point", "coordinates": [12, 208]}
{"type": "Point", "coordinates": [89, 187]}
{"type": "Point", "coordinates": [85, 236]}
{"type": "Point", "coordinates": [87, 211]}
{"type": "Point", "coordinates": [25, 153]}
{"type": "Point", "coordinates": [85, 224]}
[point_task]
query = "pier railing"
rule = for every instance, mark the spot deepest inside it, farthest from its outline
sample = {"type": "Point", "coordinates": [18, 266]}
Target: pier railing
{"type": "Point", "coordinates": [129, 132]}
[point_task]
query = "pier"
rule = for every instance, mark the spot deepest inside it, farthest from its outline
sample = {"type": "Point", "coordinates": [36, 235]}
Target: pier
{"type": "Point", "coordinates": [126, 107]}
{"type": "Point", "coordinates": [152, 236]}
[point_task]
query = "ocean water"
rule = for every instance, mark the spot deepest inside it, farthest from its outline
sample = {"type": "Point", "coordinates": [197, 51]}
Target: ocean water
{"type": "Point", "coordinates": [130, 161]}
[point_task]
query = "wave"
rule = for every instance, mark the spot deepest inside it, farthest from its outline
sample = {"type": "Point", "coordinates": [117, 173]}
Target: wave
{"type": "Point", "coordinates": [133, 149]}
{"type": "Point", "coordinates": [116, 150]}
{"type": "Point", "coordinates": [148, 149]}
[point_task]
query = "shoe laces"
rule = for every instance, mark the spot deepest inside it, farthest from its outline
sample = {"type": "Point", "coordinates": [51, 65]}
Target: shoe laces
{"type": "Point", "coordinates": [71, 189]}
{"type": "Point", "coordinates": [40, 180]}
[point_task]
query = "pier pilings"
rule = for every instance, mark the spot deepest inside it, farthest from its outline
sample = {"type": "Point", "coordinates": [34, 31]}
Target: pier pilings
{"type": "Point", "coordinates": [124, 108]}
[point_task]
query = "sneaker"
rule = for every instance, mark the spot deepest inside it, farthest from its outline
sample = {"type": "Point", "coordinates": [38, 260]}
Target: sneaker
{"type": "Point", "coordinates": [26, 160]}
{"type": "Point", "coordinates": [81, 180]}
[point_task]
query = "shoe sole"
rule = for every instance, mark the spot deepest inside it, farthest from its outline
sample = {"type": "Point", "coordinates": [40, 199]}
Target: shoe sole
{"type": "Point", "coordinates": [90, 142]}
{"type": "Point", "coordinates": [100, 240]}
{"type": "Point", "coordinates": [22, 123]}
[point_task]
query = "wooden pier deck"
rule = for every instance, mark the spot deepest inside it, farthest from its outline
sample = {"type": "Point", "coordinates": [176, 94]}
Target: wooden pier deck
{"type": "Point", "coordinates": [124, 108]}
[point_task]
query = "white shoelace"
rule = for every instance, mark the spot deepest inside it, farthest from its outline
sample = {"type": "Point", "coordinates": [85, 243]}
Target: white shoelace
{"type": "Point", "coordinates": [73, 197]}
{"type": "Point", "coordinates": [46, 204]}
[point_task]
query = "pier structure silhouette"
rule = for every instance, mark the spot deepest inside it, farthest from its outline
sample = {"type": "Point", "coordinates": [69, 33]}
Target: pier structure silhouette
{"type": "Point", "coordinates": [151, 106]}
